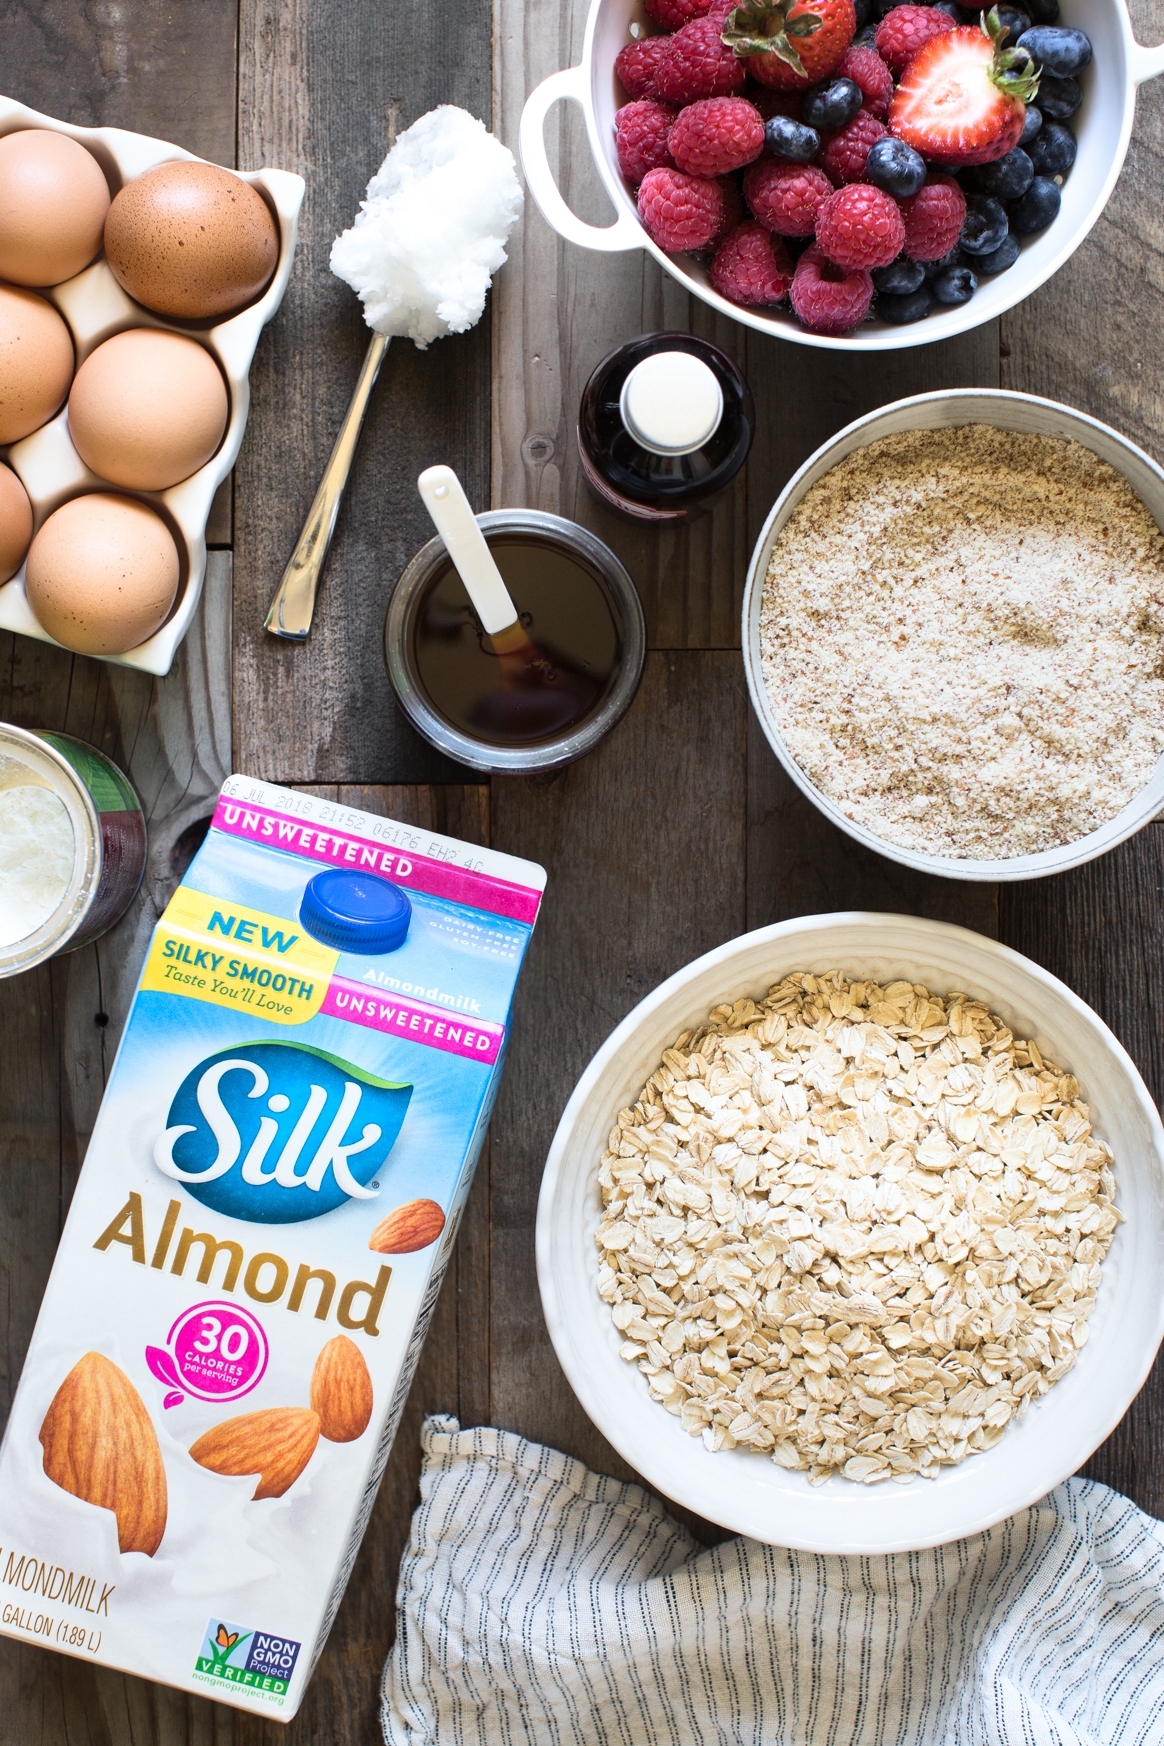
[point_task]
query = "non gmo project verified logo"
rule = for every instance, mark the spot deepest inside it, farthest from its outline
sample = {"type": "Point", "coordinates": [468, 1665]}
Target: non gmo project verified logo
{"type": "Point", "coordinates": [237, 1655]}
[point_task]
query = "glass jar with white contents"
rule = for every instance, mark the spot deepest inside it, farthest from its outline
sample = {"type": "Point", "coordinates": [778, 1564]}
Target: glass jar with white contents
{"type": "Point", "coordinates": [72, 845]}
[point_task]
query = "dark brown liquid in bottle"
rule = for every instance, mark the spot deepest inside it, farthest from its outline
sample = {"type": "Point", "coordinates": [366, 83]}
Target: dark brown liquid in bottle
{"type": "Point", "coordinates": [565, 610]}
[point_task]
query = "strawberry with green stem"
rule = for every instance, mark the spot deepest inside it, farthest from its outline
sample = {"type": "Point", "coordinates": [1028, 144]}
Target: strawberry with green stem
{"type": "Point", "coordinates": [789, 45]}
{"type": "Point", "coordinates": [962, 98]}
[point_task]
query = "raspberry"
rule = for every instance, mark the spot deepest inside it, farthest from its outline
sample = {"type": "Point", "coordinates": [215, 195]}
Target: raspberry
{"type": "Point", "coordinates": [868, 71]}
{"type": "Point", "coordinates": [859, 226]}
{"type": "Point", "coordinates": [680, 212]}
{"type": "Point", "coordinates": [785, 197]}
{"type": "Point", "coordinates": [825, 297]}
{"type": "Point", "coordinates": [843, 154]}
{"type": "Point", "coordinates": [640, 138]}
{"type": "Point", "coordinates": [698, 63]}
{"type": "Point", "coordinates": [752, 267]}
{"type": "Point", "coordinates": [635, 66]}
{"type": "Point", "coordinates": [674, 14]}
{"type": "Point", "coordinates": [907, 29]}
{"type": "Point", "coordinates": [933, 219]}
{"type": "Point", "coordinates": [716, 136]}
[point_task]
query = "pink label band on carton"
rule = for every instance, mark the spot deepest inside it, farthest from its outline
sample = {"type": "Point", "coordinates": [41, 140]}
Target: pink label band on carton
{"type": "Point", "coordinates": [259, 824]}
{"type": "Point", "coordinates": [477, 1039]}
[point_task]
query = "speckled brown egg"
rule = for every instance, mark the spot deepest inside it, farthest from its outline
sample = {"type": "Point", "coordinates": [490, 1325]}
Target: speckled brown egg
{"type": "Point", "coordinates": [147, 409]}
{"type": "Point", "coordinates": [36, 362]}
{"type": "Point", "coordinates": [15, 523]}
{"type": "Point", "coordinates": [102, 574]}
{"type": "Point", "coordinates": [191, 240]}
{"type": "Point", "coordinates": [53, 202]}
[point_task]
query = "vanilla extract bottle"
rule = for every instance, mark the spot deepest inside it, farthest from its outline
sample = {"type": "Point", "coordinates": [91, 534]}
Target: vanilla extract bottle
{"type": "Point", "coordinates": [665, 424]}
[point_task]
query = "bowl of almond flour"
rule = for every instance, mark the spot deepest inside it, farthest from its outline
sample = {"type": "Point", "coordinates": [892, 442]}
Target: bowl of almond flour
{"type": "Point", "coordinates": [954, 634]}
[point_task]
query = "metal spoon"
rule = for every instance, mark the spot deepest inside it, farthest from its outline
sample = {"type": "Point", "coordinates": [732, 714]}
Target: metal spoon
{"type": "Point", "coordinates": [292, 608]}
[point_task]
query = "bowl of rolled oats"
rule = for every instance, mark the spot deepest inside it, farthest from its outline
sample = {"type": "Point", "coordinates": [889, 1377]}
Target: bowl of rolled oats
{"type": "Point", "coordinates": [953, 633]}
{"type": "Point", "coordinates": [851, 1237]}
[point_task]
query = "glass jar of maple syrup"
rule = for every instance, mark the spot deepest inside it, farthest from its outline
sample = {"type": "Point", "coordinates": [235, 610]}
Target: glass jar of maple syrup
{"type": "Point", "coordinates": [578, 607]}
{"type": "Point", "coordinates": [665, 424]}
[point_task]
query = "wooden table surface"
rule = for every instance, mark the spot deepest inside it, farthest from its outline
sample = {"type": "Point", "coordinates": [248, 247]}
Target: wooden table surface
{"type": "Point", "coordinates": [680, 832]}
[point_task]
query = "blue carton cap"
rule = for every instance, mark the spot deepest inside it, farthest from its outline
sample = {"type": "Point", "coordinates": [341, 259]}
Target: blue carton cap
{"type": "Point", "coordinates": [355, 912]}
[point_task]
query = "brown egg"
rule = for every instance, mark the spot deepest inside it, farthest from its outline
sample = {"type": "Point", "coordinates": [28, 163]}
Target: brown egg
{"type": "Point", "coordinates": [36, 362]}
{"type": "Point", "coordinates": [15, 523]}
{"type": "Point", "coordinates": [102, 574]}
{"type": "Point", "coordinates": [147, 409]}
{"type": "Point", "coordinates": [53, 201]}
{"type": "Point", "coordinates": [191, 240]}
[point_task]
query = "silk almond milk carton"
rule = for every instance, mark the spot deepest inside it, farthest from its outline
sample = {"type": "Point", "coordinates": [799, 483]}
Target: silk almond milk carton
{"type": "Point", "coordinates": [256, 1243]}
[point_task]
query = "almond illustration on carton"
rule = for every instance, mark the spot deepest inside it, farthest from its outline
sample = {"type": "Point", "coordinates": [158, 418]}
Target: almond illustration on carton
{"type": "Point", "coordinates": [412, 1226]}
{"type": "Point", "coordinates": [100, 1445]}
{"type": "Point", "coordinates": [341, 1391]}
{"type": "Point", "coordinates": [276, 1445]}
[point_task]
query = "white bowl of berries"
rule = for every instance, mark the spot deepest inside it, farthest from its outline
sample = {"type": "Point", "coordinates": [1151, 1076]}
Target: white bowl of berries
{"type": "Point", "coordinates": [849, 173]}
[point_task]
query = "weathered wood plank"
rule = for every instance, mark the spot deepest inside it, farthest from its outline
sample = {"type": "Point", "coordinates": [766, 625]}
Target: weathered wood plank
{"type": "Point", "coordinates": [322, 89]}
{"type": "Point", "coordinates": [61, 1023]}
{"type": "Point", "coordinates": [164, 67]}
{"type": "Point", "coordinates": [1091, 337]}
{"type": "Point", "coordinates": [643, 843]}
{"type": "Point", "coordinates": [557, 312]}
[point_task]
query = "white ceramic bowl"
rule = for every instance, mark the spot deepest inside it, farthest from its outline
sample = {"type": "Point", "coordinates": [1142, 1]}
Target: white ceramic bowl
{"type": "Point", "coordinates": [1103, 124]}
{"type": "Point", "coordinates": [1016, 412]}
{"type": "Point", "coordinates": [747, 1492]}
{"type": "Point", "coordinates": [95, 307]}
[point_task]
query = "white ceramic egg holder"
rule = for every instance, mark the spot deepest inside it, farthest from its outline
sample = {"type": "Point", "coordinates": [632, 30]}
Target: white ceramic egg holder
{"type": "Point", "coordinates": [95, 307]}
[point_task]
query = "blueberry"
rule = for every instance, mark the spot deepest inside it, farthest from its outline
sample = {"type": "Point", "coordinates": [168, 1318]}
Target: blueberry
{"type": "Point", "coordinates": [901, 310]}
{"type": "Point", "coordinates": [1006, 178]}
{"type": "Point", "coordinates": [786, 138]}
{"type": "Point", "coordinates": [862, 8]}
{"type": "Point", "coordinates": [895, 167]}
{"type": "Point", "coordinates": [954, 258]}
{"type": "Point", "coordinates": [832, 105]}
{"type": "Point", "coordinates": [1043, 11]}
{"type": "Point", "coordinates": [1038, 206]}
{"type": "Point", "coordinates": [1059, 98]}
{"type": "Point", "coordinates": [900, 278]}
{"type": "Point", "coordinates": [1003, 257]}
{"type": "Point", "coordinates": [955, 285]}
{"type": "Point", "coordinates": [866, 37]}
{"type": "Point", "coordinates": [984, 228]}
{"type": "Point", "coordinates": [1031, 125]}
{"type": "Point", "coordinates": [1061, 53]}
{"type": "Point", "coordinates": [881, 7]}
{"type": "Point", "coordinates": [1053, 153]}
{"type": "Point", "coordinates": [952, 10]}
{"type": "Point", "coordinates": [1016, 23]}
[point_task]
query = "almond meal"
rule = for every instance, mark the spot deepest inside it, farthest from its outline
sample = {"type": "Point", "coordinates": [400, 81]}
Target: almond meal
{"type": "Point", "coordinates": [961, 640]}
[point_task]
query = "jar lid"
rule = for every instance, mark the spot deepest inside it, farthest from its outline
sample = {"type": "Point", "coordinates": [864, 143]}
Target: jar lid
{"type": "Point", "coordinates": [672, 403]}
{"type": "Point", "coordinates": [355, 912]}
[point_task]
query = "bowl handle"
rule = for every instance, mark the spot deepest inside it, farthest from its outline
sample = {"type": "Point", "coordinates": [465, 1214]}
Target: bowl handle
{"type": "Point", "coordinates": [1146, 62]}
{"type": "Point", "coordinates": [625, 232]}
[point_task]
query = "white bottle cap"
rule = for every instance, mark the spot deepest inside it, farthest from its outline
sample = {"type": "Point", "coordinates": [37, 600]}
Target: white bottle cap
{"type": "Point", "coordinates": [671, 403]}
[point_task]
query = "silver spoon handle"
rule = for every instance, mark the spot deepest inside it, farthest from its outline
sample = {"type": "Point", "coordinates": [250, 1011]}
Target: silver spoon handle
{"type": "Point", "coordinates": [292, 608]}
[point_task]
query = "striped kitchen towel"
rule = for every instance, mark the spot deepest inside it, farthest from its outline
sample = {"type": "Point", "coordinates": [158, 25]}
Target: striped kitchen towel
{"type": "Point", "coordinates": [540, 1602]}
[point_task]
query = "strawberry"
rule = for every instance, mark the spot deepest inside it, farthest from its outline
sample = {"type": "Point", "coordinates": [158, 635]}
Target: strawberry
{"type": "Point", "coordinates": [790, 44]}
{"type": "Point", "coordinates": [962, 98]}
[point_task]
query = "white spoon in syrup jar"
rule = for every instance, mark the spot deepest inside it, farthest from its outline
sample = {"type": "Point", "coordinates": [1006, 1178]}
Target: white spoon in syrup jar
{"type": "Point", "coordinates": [534, 690]}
